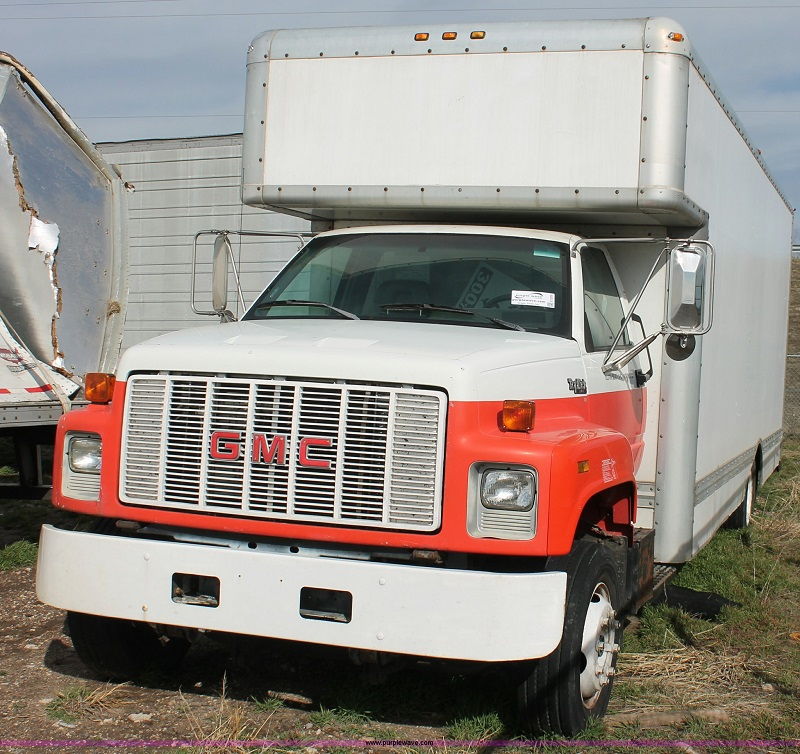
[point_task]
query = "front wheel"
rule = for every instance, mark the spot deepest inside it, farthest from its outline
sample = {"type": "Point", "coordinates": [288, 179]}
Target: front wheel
{"type": "Point", "coordinates": [119, 650]}
{"type": "Point", "coordinates": [573, 684]}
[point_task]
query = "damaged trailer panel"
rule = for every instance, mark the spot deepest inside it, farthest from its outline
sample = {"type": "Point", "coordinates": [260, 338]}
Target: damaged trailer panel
{"type": "Point", "coordinates": [63, 258]}
{"type": "Point", "coordinates": [62, 248]}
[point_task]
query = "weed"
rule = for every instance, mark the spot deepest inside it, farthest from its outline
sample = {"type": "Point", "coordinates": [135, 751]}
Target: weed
{"type": "Point", "coordinates": [18, 555]}
{"type": "Point", "coordinates": [267, 704]}
{"type": "Point", "coordinates": [78, 701]}
{"type": "Point", "coordinates": [348, 721]}
{"type": "Point", "coordinates": [229, 724]}
{"type": "Point", "coordinates": [481, 727]}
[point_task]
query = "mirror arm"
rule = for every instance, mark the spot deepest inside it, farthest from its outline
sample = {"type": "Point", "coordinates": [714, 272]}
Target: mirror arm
{"type": "Point", "coordinates": [238, 283]}
{"type": "Point", "coordinates": [631, 353]}
{"type": "Point", "coordinates": [632, 310]}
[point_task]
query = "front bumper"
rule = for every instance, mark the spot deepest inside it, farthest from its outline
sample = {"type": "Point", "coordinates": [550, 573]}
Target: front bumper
{"type": "Point", "coordinates": [405, 609]}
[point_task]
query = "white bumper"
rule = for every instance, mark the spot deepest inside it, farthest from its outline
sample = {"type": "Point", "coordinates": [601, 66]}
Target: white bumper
{"type": "Point", "coordinates": [416, 610]}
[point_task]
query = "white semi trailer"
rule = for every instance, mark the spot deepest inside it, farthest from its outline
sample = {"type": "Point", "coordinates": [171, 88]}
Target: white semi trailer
{"type": "Point", "coordinates": [181, 187]}
{"type": "Point", "coordinates": [539, 347]}
{"type": "Point", "coordinates": [63, 261]}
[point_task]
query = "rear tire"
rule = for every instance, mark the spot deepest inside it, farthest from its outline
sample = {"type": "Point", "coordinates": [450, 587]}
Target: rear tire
{"type": "Point", "coordinates": [573, 684]}
{"type": "Point", "coordinates": [740, 518]}
{"type": "Point", "coordinates": [120, 650]}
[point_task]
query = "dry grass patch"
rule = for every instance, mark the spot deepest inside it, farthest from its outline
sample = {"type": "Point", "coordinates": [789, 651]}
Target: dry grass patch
{"type": "Point", "coordinates": [229, 729]}
{"type": "Point", "coordinates": [77, 702]}
{"type": "Point", "coordinates": [690, 678]}
{"type": "Point", "coordinates": [776, 521]}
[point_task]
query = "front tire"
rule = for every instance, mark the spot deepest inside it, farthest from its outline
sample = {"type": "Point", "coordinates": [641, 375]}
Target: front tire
{"type": "Point", "coordinates": [573, 684]}
{"type": "Point", "coordinates": [120, 650]}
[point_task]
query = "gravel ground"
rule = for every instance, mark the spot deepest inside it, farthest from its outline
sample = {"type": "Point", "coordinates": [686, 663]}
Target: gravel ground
{"type": "Point", "coordinates": [245, 691]}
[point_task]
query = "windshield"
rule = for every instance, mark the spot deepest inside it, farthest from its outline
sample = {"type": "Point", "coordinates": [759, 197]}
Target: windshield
{"type": "Point", "coordinates": [443, 278]}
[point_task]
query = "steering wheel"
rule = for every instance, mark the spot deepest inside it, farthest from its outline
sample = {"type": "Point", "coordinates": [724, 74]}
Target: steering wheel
{"type": "Point", "coordinates": [495, 300]}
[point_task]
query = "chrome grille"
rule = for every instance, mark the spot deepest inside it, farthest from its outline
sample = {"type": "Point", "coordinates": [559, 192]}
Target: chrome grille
{"type": "Point", "coordinates": [351, 454]}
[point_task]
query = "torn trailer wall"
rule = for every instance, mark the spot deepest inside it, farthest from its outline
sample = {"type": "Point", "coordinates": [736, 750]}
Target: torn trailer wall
{"type": "Point", "coordinates": [62, 254]}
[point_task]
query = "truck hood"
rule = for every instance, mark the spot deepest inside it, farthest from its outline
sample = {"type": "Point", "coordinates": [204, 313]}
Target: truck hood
{"type": "Point", "coordinates": [471, 363]}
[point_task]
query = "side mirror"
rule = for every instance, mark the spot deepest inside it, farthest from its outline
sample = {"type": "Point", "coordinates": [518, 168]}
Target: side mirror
{"type": "Point", "coordinates": [690, 287]}
{"type": "Point", "coordinates": [219, 273]}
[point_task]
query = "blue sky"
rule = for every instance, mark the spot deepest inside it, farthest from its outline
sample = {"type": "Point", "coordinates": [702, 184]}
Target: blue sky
{"type": "Point", "coordinates": [157, 68]}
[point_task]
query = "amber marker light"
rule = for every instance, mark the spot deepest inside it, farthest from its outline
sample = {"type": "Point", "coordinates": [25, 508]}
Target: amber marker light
{"type": "Point", "coordinates": [99, 387]}
{"type": "Point", "coordinates": [477, 35]}
{"type": "Point", "coordinates": [583, 467]}
{"type": "Point", "coordinates": [675, 36]}
{"type": "Point", "coordinates": [421, 36]}
{"type": "Point", "coordinates": [449, 35]}
{"type": "Point", "coordinates": [518, 416]}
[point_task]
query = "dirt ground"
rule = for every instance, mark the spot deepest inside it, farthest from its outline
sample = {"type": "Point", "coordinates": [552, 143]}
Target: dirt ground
{"type": "Point", "coordinates": [242, 691]}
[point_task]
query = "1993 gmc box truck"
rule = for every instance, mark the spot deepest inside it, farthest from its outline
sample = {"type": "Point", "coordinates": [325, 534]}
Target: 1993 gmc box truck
{"type": "Point", "coordinates": [537, 347]}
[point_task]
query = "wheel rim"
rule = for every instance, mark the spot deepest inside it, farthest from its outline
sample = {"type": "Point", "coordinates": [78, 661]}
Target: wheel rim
{"type": "Point", "coordinates": [749, 494]}
{"type": "Point", "coordinates": [598, 646]}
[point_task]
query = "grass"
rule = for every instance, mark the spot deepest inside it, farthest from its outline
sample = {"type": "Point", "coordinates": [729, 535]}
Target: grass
{"type": "Point", "coordinates": [267, 704]}
{"type": "Point", "coordinates": [231, 723]}
{"type": "Point", "coordinates": [480, 727]}
{"type": "Point", "coordinates": [19, 554]}
{"type": "Point", "coordinates": [78, 701]}
{"type": "Point", "coordinates": [744, 664]}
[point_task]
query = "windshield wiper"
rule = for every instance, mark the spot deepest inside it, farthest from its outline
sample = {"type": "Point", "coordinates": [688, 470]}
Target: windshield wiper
{"type": "Point", "coordinates": [455, 309]}
{"type": "Point", "coordinates": [295, 302]}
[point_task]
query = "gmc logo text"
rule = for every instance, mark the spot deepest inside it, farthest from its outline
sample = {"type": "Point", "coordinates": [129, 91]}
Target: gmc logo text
{"type": "Point", "coordinates": [270, 449]}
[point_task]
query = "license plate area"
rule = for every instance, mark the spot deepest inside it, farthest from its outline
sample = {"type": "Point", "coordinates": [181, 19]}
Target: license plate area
{"type": "Point", "coordinates": [326, 604]}
{"type": "Point", "coordinates": [195, 589]}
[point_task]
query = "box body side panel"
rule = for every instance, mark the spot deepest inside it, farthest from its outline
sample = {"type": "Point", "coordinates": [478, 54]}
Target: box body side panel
{"type": "Point", "coordinates": [743, 356]}
{"type": "Point", "coordinates": [558, 119]}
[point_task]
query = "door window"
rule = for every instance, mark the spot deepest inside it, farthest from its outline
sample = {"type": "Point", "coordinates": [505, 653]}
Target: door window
{"type": "Point", "coordinates": [602, 306]}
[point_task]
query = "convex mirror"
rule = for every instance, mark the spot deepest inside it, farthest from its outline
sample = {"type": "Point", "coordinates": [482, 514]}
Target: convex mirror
{"type": "Point", "coordinates": [690, 288]}
{"type": "Point", "coordinates": [219, 273]}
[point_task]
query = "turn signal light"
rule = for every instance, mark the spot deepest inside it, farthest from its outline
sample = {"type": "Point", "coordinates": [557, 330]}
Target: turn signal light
{"type": "Point", "coordinates": [99, 387]}
{"type": "Point", "coordinates": [421, 36]}
{"type": "Point", "coordinates": [518, 416]}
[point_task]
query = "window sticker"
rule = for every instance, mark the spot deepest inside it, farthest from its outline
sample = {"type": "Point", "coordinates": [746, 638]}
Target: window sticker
{"type": "Point", "coordinates": [534, 298]}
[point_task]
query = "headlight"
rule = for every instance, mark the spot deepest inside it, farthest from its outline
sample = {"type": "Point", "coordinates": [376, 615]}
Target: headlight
{"type": "Point", "coordinates": [85, 453]}
{"type": "Point", "coordinates": [508, 490]}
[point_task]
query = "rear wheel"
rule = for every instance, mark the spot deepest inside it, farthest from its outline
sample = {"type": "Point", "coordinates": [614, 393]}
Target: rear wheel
{"type": "Point", "coordinates": [119, 650]}
{"type": "Point", "coordinates": [740, 518]}
{"type": "Point", "coordinates": [573, 684]}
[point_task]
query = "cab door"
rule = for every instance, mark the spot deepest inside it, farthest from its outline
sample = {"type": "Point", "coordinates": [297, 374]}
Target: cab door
{"type": "Point", "coordinates": [616, 398]}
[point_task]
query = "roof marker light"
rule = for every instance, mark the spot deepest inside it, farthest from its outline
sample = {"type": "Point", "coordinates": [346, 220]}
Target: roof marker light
{"type": "Point", "coordinates": [477, 35]}
{"type": "Point", "coordinates": [421, 36]}
{"type": "Point", "coordinates": [675, 36]}
{"type": "Point", "coordinates": [449, 35]}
